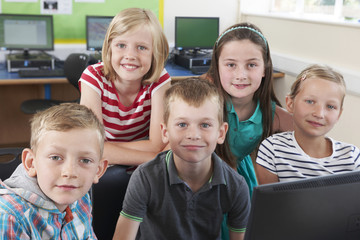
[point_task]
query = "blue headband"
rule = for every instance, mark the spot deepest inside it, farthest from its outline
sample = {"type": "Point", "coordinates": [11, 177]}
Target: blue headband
{"type": "Point", "coordinates": [241, 27]}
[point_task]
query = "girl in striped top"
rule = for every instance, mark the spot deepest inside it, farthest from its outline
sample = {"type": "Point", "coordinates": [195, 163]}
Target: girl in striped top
{"type": "Point", "coordinates": [126, 90]}
{"type": "Point", "coordinates": [316, 102]}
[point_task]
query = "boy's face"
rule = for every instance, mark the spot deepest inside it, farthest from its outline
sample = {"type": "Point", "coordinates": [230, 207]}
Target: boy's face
{"type": "Point", "coordinates": [193, 132]}
{"type": "Point", "coordinates": [66, 164]}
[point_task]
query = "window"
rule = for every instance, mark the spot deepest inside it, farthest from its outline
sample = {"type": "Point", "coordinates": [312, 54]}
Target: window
{"type": "Point", "coordinates": [351, 9]}
{"type": "Point", "coordinates": [348, 10]}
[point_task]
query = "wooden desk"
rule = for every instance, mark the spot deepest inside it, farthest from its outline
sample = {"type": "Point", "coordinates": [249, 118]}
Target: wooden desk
{"type": "Point", "coordinates": [14, 124]}
{"type": "Point", "coordinates": [32, 81]}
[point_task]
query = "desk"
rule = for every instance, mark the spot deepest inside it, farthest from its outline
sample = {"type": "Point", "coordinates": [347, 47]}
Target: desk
{"type": "Point", "coordinates": [7, 78]}
{"type": "Point", "coordinates": [14, 124]}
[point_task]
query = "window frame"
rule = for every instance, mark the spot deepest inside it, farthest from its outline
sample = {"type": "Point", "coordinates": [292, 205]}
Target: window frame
{"type": "Point", "coordinates": [248, 7]}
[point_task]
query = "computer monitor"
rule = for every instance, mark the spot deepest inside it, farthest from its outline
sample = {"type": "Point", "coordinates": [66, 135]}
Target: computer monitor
{"type": "Point", "coordinates": [96, 27]}
{"type": "Point", "coordinates": [196, 33]}
{"type": "Point", "coordinates": [318, 208]}
{"type": "Point", "coordinates": [26, 32]}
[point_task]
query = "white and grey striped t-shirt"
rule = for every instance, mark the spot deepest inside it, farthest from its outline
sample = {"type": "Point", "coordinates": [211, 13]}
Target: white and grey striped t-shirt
{"type": "Point", "coordinates": [281, 155]}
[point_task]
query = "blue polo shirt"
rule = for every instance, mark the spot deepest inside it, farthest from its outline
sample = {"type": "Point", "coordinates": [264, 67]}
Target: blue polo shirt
{"type": "Point", "coordinates": [168, 209]}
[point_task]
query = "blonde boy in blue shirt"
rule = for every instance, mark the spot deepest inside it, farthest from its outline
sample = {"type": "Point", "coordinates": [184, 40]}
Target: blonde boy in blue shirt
{"type": "Point", "coordinates": [47, 195]}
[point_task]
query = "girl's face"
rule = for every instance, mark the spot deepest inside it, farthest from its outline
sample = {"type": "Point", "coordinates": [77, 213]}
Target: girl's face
{"type": "Point", "coordinates": [132, 54]}
{"type": "Point", "coordinates": [241, 68]}
{"type": "Point", "coordinates": [316, 108]}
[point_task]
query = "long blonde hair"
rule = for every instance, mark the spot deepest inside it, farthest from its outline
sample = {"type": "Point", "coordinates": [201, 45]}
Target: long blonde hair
{"type": "Point", "coordinates": [128, 20]}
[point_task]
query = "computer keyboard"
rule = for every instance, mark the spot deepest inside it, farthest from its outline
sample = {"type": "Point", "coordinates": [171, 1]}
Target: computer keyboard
{"type": "Point", "coordinates": [198, 70]}
{"type": "Point", "coordinates": [25, 73]}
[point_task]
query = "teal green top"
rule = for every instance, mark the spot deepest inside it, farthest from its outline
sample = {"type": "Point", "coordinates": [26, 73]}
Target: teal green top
{"type": "Point", "coordinates": [244, 137]}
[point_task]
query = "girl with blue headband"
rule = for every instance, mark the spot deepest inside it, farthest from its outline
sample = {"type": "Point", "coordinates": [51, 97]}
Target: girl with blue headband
{"type": "Point", "coordinates": [241, 67]}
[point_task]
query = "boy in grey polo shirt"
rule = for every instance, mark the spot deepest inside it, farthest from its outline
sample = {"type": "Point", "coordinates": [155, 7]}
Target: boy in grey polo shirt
{"type": "Point", "coordinates": [184, 192]}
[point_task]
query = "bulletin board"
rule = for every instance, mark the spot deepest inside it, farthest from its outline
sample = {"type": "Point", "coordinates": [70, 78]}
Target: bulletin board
{"type": "Point", "coordinates": [70, 28]}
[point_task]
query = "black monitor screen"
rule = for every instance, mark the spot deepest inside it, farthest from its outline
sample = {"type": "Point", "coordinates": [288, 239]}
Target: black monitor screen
{"type": "Point", "coordinates": [26, 32]}
{"type": "Point", "coordinates": [317, 208]}
{"type": "Point", "coordinates": [196, 32]}
{"type": "Point", "coordinates": [96, 27]}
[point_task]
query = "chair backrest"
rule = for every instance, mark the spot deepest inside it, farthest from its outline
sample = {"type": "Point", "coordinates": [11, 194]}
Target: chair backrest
{"type": "Point", "coordinates": [7, 167]}
{"type": "Point", "coordinates": [74, 65]}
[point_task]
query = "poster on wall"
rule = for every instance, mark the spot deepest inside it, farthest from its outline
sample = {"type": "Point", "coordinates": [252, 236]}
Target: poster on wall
{"type": "Point", "coordinates": [56, 7]}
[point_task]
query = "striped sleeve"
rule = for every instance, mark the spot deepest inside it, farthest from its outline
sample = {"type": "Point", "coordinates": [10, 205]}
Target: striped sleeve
{"type": "Point", "coordinates": [357, 158]}
{"type": "Point", "coordinates": [137, 219]}
{"type": "Point", "coordinates": [241, 230]}
{"type": "Point", "coordinates": [93, 77]}
{"type": "Point", "coordinates": [265, 156]}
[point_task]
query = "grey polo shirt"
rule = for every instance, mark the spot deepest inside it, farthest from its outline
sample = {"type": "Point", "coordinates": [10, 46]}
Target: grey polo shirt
{"type": "Point", "coordinates": [168, 209]}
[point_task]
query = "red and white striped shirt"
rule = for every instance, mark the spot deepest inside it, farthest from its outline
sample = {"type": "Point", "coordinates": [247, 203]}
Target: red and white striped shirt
{"type": "Point", "coordinates": [123, 124]}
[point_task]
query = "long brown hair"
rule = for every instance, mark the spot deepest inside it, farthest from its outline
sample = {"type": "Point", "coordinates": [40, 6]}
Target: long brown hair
{"type": "Point", "coordinates": [264, 94]}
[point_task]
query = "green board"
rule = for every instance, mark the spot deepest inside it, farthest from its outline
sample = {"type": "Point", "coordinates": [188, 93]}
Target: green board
{"type": "Point", "coordinates": [71, 27]}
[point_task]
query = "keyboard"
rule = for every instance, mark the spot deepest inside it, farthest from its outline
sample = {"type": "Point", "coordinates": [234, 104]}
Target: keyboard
{"type": "Point", "coordinates": [198, 70]}
{"type": "Point", "coordinates": [27, 73]}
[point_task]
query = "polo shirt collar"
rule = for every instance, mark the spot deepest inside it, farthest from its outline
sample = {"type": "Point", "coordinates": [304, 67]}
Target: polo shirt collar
{"type": "Point", "coordinates": [217, 176]}
{"type": "Point", "coordinates": [255, 118]}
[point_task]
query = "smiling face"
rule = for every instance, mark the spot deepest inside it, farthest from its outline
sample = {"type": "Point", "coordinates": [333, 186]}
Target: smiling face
{"type": "Point", "coordinates": [193, 132]}
{"type": "Point", "coordinates": [65, 164]}
{"type": "Point", "coordinates": [132, 54]}
{"type": "Point", "coordinates": [316, 107]}
{"type": "Point", "coordinates": [241, 68]}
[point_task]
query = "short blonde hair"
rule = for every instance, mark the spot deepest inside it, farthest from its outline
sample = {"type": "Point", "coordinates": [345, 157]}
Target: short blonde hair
{"type": "Point", "coordinates": [194, 91]}
{"type": "Point", "coordinates": [318, 71]}
{"type": "Point", "coordinates": [131, 19]}
{"type": "Point", "coordinates": [64, 117]}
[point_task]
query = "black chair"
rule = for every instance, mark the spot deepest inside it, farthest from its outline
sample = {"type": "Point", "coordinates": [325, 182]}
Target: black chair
{"type": "Point", "coordinates": [74, 65]}
{"type": "Point", "coordinates": [10, 159]}
{"type": "Point", "coordinates": [107, 197]}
